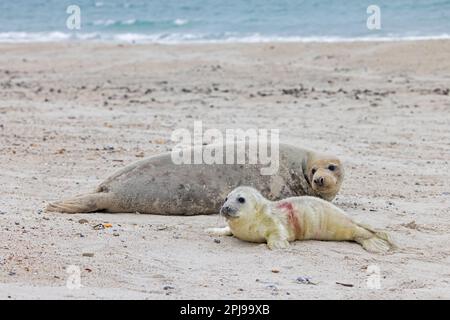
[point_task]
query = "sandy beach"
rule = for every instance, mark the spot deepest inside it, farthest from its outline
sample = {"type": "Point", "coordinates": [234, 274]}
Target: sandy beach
{"type": "Point", "coordinates": [71, 114]}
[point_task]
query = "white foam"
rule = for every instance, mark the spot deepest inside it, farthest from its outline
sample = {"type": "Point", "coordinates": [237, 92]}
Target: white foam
{"type": "Point", "coordinates": [101, 22]}
{"type": "Point", "coordinates": [175, 38]}
{"type": "Point", "coordinates": [180, 22]}
{"type": "Point", "coordinates": [33, 37]}
{"type": "Point", "coordinates": [129, 21]}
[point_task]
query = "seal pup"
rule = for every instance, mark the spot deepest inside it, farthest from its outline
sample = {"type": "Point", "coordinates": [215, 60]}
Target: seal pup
{"type": "Point", "coordinates": [157, 185]}
{"type": "Point", "coordinates": [251, 217]}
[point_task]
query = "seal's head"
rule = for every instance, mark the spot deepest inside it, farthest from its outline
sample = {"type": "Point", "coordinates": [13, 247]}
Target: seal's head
{"type": "Point", "coordinates": [325, 175]}
{"type": "Point", "coordinates": [242, 202]}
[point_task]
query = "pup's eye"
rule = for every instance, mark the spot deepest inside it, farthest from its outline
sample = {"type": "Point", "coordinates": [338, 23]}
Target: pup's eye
{"type": "Point", "coordinates": [313, 170]}
{"type": "Point", "coordinates": [226, 199]}
{"type": "Point", "coordinates": [241, 200]}
{"type": "Point", "coordinates": [331, 167]}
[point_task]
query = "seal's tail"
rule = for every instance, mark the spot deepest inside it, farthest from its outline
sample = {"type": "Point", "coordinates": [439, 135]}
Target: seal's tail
{"type": "Point", "coordinates": [376, 241]}
{"type": "Point", "coordinates": [81, 204]}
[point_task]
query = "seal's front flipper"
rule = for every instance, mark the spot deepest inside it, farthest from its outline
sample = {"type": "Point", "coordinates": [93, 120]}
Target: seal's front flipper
{"type": "Point", "coordinates": [276, 241]}
{"type": "Point", "coordinates": [81, 204]}
{"type": "Point", "coordinates": [226, 231]}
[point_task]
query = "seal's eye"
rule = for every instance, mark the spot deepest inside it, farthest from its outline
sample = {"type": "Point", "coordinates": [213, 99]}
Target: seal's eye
{"type": "Point", "coordinates": [331, 167]}
{"type": "Point", "coordinates": [313, 171]}
{"type": "Point", "coordinates": [226, 199]}
{"type": "Point", "coordinates": [241, 200]}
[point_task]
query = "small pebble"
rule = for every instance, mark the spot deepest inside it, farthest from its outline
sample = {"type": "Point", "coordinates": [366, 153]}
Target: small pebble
{"type": "Point", "coordinates": [305, 280]}
{"type": "Point", "coordinates": [82, 221]}
{"type": "Point", "coordinates": [88, 254]}
{"type": "Point", "coordinates": [99, 227]}
{"type": "Point", "coordinates": [168, 288]}
{"type": "Point", "coordinates": [216, 240]}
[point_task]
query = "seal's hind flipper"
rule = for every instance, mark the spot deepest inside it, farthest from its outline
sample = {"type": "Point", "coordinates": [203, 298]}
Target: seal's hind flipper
{"type": "Point", "coordinates": [379, 242]}
{"type": "Point", "coordinates": [81, 204]}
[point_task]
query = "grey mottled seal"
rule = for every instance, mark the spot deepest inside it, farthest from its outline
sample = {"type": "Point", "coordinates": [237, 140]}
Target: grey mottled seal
{"type": "Point", "coordinates": [157, 185]}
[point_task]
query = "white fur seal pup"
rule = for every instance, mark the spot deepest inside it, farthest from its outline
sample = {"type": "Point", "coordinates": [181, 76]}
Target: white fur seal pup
{"type": "Point", "coordinates": [157, 185]}
{"type": "Point", "coordinates": [253, 218]}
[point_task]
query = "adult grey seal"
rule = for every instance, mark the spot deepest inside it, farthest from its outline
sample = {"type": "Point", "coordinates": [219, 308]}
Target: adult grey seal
{"type": "Point", "coordinates": [157, 185]}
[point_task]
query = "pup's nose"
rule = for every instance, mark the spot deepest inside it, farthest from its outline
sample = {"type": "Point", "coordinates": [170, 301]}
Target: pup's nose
{"type": "Point", "coordinates": [319, 181]}
{"type": "Point", "coordinates": [226, 210]}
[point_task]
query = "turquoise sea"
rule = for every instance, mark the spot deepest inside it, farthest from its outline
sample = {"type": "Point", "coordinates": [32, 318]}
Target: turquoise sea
{"type": "Point", "coordinates": [174, 21]}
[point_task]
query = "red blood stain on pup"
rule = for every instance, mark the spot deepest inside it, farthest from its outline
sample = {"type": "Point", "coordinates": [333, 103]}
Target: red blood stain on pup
{"type": "Point", "coordinates": [292, 217]}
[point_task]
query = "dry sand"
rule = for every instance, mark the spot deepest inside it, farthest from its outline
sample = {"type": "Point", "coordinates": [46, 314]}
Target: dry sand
{"type": "Point", "coordinates": [72, 114]}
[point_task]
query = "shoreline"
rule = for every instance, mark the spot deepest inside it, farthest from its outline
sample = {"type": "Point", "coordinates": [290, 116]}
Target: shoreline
{"type": "Point", "coordinates": [145, 39]}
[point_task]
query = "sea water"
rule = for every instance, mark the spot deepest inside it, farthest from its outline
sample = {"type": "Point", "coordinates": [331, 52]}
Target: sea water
{"type": "Point", "coordinates": [175, 21]}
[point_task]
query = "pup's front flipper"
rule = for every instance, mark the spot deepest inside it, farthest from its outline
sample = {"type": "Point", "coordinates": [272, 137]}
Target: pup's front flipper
{"type": "Point", "coordinates": [226, 231]}
{"type": "Point", "coordinates": [277, 242]}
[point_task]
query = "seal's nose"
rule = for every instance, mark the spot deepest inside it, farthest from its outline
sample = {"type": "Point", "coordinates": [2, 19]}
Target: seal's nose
{"type": "Point", "coordinates": [226, 210]}
{"type": "Point", "coordinates": [319, 181]}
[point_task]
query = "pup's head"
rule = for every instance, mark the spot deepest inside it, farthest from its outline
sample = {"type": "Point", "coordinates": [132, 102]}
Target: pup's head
{"type": "Point", "coordinates": [241, 202]}
{"type": "Point", "coordinates": [325, 176]}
